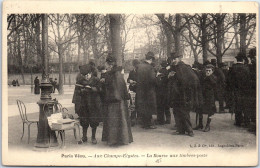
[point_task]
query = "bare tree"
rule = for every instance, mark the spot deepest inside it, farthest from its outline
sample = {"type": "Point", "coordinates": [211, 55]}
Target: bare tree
{"type": "Point", "coordinates": [62, 39]}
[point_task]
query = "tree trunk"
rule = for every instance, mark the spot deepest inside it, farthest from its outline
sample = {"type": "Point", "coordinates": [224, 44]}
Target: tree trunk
{"type": "Point", "coordinates": [20, 58]}
{"type": "Point", "coordinates": [177, 36]}
{"type": "Point", "coordinates": [204, 38]}
{"type": "Point", "coordinates": [220, 39]}
{"type": "Point", "coordinates": [19, 55]}
{"type": "Point", "coordinates": [115, 38]}
{"type": "Point", "coordinates": [168, 34]}
{"type": "Point", "coordinates": [45, 59]}
{"type": "Point", "coordinates": [25, 37]}
{"type": "Point", "coordinates": [38, 42]}
{"type": "Point", "coordinates": [243, 33]}
{"type": "Point", "coordinates": [85, 52]}
{"type": "Point", "coordinates": [31, 80]}
{"type": "Point", "coordinates": [79, 47]}
{"type": "Point", "coordinates": [60, 53]}
{"type": "Point", "coordinates": [108, 34]}
{"type": "Point", "coordinates": [235, 20]}
{"type": "Point", "coordinates": [94, 43]}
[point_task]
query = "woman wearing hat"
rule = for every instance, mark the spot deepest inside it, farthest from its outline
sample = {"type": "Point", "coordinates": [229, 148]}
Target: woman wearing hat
{"type": "Point", "coordinates": [117, 126]}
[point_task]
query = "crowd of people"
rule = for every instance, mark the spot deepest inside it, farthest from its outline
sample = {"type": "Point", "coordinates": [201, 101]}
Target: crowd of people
{"type": "Point", "coordinates": [174, 85]}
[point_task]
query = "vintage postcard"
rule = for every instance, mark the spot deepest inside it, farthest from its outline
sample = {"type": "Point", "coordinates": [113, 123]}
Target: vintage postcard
{"type": "Point", "coordinates": [129, 83]}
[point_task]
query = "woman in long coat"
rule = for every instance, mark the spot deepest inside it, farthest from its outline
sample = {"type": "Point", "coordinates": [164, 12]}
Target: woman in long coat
{"type": "Point", "coordinates": [36, 85]}
{"type": "Point", "coordinates": [117, 126]}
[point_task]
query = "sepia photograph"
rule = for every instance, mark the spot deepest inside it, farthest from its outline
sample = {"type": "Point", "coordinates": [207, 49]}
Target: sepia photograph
{"type": "Point", "coordinates": [118, 83]}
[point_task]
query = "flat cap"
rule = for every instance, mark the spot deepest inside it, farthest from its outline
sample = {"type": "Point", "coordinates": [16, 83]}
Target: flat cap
{"type": "Point", "coordinates": [149, 55]}
{"type": "Point", "coordinates": [85, 69]}
{"type": "Point", "coordinates": [210, 66]}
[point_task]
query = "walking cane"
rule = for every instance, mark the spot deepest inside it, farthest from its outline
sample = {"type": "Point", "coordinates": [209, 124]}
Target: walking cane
{"type": "Point", "coordinates": [197, 116]}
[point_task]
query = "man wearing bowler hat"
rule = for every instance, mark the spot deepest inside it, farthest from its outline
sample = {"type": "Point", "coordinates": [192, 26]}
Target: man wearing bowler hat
{"type": "Point", "coordinates": [145, 91]}
{"type": "Point", "coordinates": [185, 92]}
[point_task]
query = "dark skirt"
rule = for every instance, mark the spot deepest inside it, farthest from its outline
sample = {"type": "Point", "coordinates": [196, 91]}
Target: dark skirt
{"type": "Point", "coordinates": [117, 125]}
{"type": "Point", "coordinates": [37, 90]}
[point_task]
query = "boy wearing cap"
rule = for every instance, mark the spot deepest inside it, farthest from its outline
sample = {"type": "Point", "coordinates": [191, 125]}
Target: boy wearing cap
{"type": "Point", "coordinates": [90, 103]}
{"type": "Point", "coordinates": [209, 83]}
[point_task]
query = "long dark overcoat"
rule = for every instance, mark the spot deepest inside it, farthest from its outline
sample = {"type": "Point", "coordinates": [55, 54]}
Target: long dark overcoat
{"type": "Point", "coordinates": [208, 89]}
{"type": "Point", "coordinates": [240, 84]}
{"type": "Point", "coordinates": [117, 125]}
{"type": "Point", "coordinates": [252, 94]}
{"type": "Point", "coordinates": [90, 102]}
{"type": "Point", "coordinates": [240, 80]}
{"type": "Point", "coordinates": [186, 91]}
{"type": "Point", "coordinates": [145, 90]}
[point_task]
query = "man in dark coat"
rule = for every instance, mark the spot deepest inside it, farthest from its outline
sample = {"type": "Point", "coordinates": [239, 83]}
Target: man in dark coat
{"type": "Point", "coordinates": [252, 94]}
{"type": "Point", "coordinates": [132, 87]}
{"type": "Point", "coordinates": [163, 110]}
{"type": "Point", "coordinates": [240, 77]}
{"type": "Point", "coordinates": [145, 91]}
{"type": "Point", "coordinates": [185, 92]}
{"type": "Point", "coordinates": [225, 69]}
{"type": "Point", "coordinates": [221, 84]}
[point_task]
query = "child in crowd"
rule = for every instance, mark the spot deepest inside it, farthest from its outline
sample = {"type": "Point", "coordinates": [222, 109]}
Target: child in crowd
{"type": "Point", "coordinates": [89, 112]}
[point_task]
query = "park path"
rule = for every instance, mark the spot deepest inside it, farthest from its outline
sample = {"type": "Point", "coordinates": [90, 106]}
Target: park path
{"type": "Point", "coordinates": [160, 140]}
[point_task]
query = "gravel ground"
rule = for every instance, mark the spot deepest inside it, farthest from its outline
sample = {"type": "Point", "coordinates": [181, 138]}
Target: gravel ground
{"type": "Point", "coordinates": [160, 140]}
